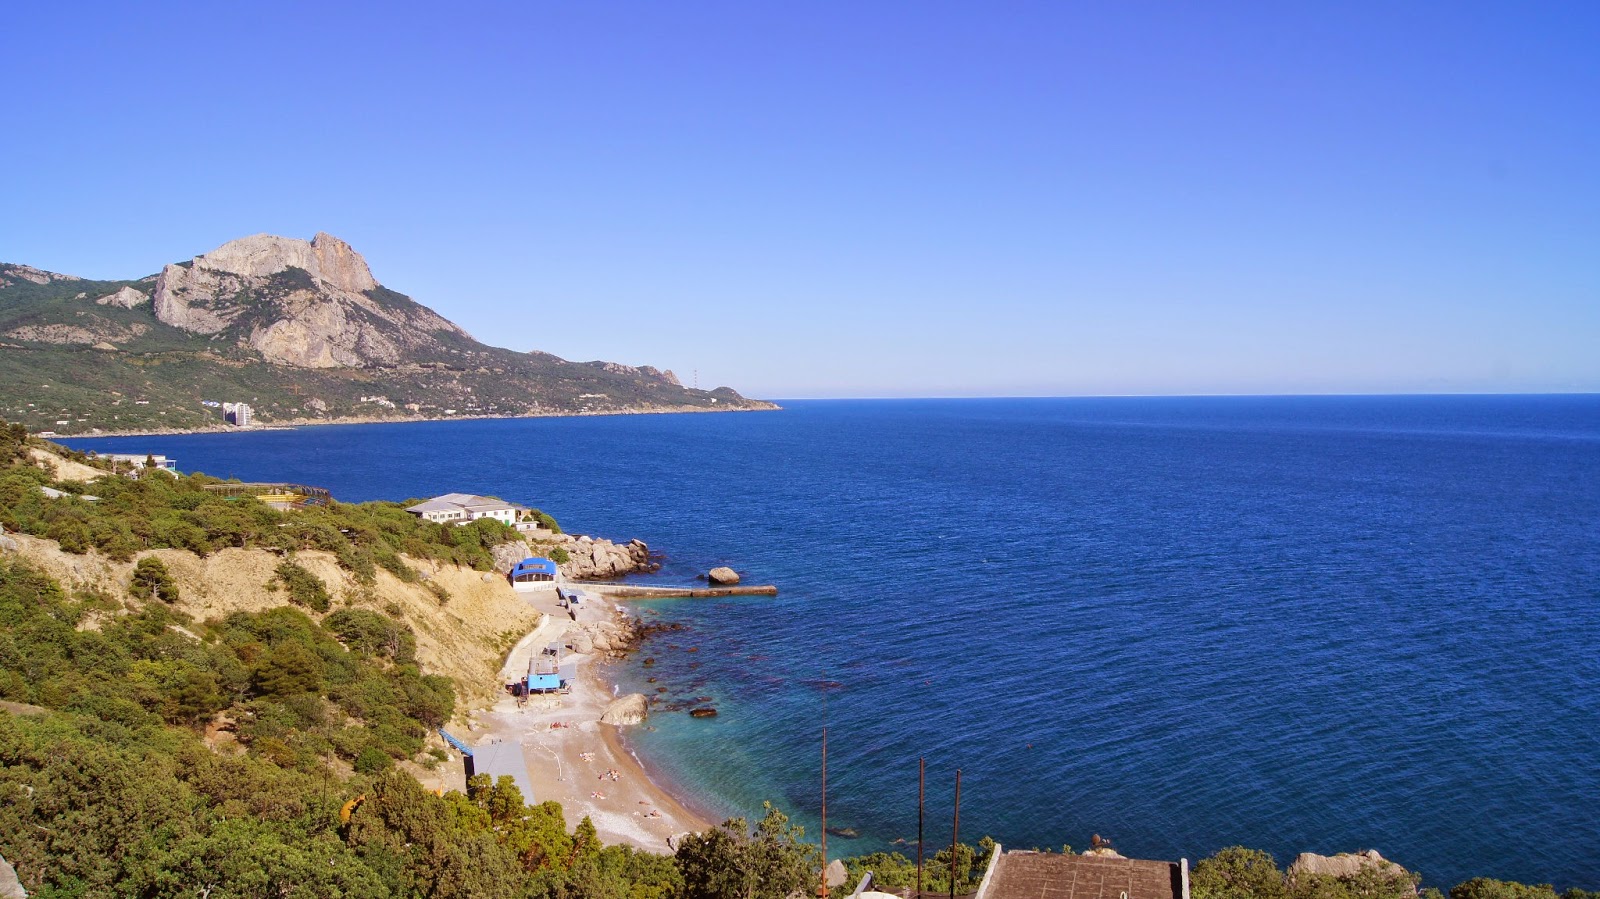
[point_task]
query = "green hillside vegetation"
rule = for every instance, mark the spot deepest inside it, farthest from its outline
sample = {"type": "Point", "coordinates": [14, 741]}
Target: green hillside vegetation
{"type": "Point", "coordinates": [157, 376]}
{"type": "Point", "coordinates": [159, 510]}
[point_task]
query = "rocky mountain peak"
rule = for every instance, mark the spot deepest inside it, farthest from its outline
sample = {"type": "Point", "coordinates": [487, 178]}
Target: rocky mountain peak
{"type": "Point", "coordinates": [308, 303]}
{"type": "Point", "coordinates": [326, 258]}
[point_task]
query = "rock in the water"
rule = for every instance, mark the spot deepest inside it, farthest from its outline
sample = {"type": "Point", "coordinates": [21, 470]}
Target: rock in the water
{"type": "Point", "coordinates": [704, 712]}
{"type": "Point", "coordinates": [723, 576]}
{"type": "Point", "coordinates": [630, 709]}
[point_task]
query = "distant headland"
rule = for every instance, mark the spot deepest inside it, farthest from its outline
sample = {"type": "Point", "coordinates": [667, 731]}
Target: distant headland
{"type": "Point", "coordinates": [269, 330]}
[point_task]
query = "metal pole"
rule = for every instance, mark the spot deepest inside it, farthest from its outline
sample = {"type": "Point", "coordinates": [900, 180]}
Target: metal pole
{"type": "Point", "coordinates": [922, 785]}
{"type": "Point", "coordinates": [955, 836]}
{"type": "Point", "coordinates": [824, 813]}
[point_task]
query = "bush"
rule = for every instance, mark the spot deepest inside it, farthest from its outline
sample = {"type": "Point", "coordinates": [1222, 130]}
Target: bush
{"type": "Point", "coordinates": [151, 578]}
{"type": "Point", "coordinates": [373, 760]}
{"type": "Point", "coordinates": [304, 588]}
{"type": "Point", "coordinates": [559, 555]}
{"type": "Point", "coordinates": [368, 633]}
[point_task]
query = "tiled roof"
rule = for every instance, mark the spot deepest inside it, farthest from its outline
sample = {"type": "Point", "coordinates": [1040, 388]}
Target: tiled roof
{"type": "Point", "coordinates": [1048, 875]}
{"type": "Point", "coordinates": [434, 505]}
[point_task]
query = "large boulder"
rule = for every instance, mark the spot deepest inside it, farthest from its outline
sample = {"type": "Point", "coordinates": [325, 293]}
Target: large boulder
{"type": "Point", "coordinates": [1342, 866]}
{"type": "Point", "coordinates": [723, 576]}
{"type": "Point", "coordinates": [837, 874]}
{"type": "Point", "coordinates": [10, 888]}
{"type": "Point", "coordinates": [630, 709]}
{"type": "Point", "coordinates": [508, 554]}
{"type": "Point", "coordinates": [592, 559]}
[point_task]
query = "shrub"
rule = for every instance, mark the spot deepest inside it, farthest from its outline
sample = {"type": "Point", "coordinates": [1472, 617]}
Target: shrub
{"type": "Point", "coordinates": [304, 588]}
{"type": "Point", "coordinates": [560, 556]}
{"type": "Point", "coordinates": [372, 760]}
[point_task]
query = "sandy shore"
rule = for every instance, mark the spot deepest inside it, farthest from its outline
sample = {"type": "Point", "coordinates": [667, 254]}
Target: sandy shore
{"type": "Point", "coordinates": [571, 757]}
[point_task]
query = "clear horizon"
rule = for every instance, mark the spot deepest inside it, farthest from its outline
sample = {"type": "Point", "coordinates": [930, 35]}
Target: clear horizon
{"type": "Point", "coordinates": [894, 201]}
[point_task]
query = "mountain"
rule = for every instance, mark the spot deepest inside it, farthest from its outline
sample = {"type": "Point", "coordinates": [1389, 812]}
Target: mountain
{"type": "Point", "coordinates": [300, 330]}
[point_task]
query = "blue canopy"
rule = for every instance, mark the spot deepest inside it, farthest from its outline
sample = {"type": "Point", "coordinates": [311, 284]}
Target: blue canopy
{"type": "Point", "coordinates": [534, 566]}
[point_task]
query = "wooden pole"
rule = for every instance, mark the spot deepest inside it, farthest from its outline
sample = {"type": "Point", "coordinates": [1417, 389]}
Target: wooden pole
{"type": "Point", "coordinates": [955, 836]}
{"type": "Point", "coordinates": [922, 785]}
{"type": "Point", "coordinates": [824, 813]}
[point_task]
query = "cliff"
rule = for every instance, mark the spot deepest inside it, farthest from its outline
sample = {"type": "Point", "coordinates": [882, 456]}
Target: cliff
{"type": "Point", "coordinates": [301, 330]}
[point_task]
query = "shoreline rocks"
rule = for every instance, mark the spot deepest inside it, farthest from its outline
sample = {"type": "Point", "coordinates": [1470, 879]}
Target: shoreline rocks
{"type": "Point", "coordinates": [592, 559]}
{"type": "Point", "coordinates": [630, 709]}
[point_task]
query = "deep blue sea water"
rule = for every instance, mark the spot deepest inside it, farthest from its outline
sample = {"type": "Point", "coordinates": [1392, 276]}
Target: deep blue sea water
{"type": "Point", "coordinates": [1301, 624]}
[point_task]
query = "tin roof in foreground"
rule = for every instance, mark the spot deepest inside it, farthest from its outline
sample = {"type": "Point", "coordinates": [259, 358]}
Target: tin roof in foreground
{"type": "Point", "coordinates": [1048, 875]}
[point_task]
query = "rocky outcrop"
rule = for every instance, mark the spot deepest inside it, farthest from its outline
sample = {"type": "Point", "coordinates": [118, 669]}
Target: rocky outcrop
{"type": "Point", "coordinates": [16, 274]}
{"type": "Point", "coordinates": [630, 709]}
{"type": "Point", "coordinates": [507, 555]}
{"type": "Point", "coordinates": [723, 576]}
{"type": "Point", "coordinates": [591, 559]}
{"type": "Point", "coordinates": [127, 298]}
{"type": "Point", "coordinates": [1342, 866]}
{"type": "Point", "coordinates": [311, 304]}
{"type": "Point", "coordinates": [61, 334]}
{"type": "Point", "coordinates": [10, 887]}
{"type": "Point", "coordinates": [612, 638]}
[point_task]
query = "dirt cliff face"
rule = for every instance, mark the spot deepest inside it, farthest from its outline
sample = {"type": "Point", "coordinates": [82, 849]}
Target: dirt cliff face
{"type": "Point", "coordinates": [310, 304]}
{"type": "Point", "coordinates": [464, 638]}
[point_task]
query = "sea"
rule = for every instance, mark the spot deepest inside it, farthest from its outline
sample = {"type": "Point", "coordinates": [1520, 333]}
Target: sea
{"type": "Point", "coordinates": [1298, 624]}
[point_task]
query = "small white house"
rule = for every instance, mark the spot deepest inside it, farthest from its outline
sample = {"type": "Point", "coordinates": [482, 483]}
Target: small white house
{"type": "Point", "coordinates": [139, 460]}
{"type": "Point", "coordinates": [464, 508]}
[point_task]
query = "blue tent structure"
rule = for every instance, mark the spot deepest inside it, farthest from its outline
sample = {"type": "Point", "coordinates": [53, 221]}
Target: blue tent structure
{"type": "Point", "coordinates": [532, 571]}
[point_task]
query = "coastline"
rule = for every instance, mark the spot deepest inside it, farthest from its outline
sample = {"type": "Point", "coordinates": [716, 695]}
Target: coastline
{"type": "Point", "coordinates": [296, 423]}
{"type": "Point", "coordinates": [570, 756]}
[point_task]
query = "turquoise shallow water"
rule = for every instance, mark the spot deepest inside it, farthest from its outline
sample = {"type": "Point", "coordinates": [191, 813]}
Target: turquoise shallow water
{"type": "Point", "coordinates": [1295, 623]}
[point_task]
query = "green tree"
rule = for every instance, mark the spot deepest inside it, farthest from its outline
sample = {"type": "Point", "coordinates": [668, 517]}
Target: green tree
{"type": "Point", "coordinates": [1487, 888]}
{"type": "Point", "coordinates": [1238, 873]}
{"type": "Point", "coordinates": [731, 862]}
{"type": "Point", "coordinates": [151, 579]}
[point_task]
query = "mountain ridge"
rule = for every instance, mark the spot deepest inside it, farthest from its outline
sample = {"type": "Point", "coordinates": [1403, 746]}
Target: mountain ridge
{"type": "Point", "coordinates": [302, 330]}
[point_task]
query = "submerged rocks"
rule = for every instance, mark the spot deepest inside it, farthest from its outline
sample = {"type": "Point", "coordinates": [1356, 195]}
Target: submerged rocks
{"type": "Point", "coordinates": [723, 576]}
{"type": "Point", "coordinates": [703, 712]}
{"type": "Point", "coordinates": [630, 709]}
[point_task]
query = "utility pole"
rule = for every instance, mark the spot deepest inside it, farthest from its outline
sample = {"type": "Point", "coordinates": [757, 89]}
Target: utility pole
{"type": "Point", "coordinates": [955, 836]}
{"type": "Point", "coordinates": [922, 786]}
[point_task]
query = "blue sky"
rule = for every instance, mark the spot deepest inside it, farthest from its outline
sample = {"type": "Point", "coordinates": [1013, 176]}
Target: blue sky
{"type": "Point", "coordinates": [866, 199]}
